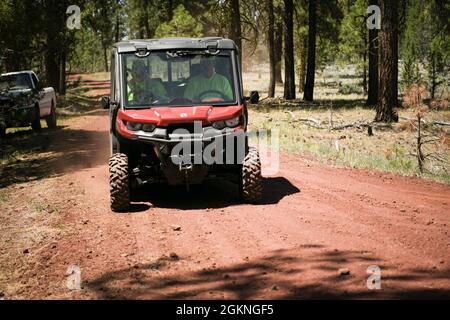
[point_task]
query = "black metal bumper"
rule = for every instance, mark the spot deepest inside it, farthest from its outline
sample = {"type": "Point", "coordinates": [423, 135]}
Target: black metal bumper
{"type": "Point", "coordinates": [15, 116]}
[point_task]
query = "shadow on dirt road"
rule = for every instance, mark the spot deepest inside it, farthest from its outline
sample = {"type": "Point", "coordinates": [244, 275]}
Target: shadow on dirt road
{"type": "Point", "coordinates": [306, 272]}
{"type": "Point", "coordinates": [29, 156]}
{"type": "Point", "coordinates": [211, 194]}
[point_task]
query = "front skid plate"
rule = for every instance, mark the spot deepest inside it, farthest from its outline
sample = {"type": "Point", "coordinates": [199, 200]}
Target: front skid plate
{"type": "Point", "coordinates": [175, 176]}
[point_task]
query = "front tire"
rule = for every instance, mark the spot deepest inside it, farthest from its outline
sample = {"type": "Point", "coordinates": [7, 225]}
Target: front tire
{"type": "Point", "coordinates": [51, 119]}
{"type": "Point", "coordinates": [119, 182]}
{"type": "Point", "coordinates": [251, 179]}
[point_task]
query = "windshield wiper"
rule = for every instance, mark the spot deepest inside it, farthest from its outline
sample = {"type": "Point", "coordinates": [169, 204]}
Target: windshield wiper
{"type": "Point", "coordinates": [140, 107]}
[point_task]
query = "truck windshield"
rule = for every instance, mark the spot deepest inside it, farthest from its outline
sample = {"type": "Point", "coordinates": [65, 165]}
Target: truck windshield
{"type": "Point", "coordinates": [18, 81]}
{"type": "Point", "coordinates": [178, 78]}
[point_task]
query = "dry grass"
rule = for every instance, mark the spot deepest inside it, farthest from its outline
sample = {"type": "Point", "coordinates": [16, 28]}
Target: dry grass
{"type": "Point", "coordinates": [27, 224]}
{"type": "Point", "coordinates": [388, 149]}
{"type": "Point", "coordinates": [339, 88]}
{"type": "Point", "coordinates": [328, 85]}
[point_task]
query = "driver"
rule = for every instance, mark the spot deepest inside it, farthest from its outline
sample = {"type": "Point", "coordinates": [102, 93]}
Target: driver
{"type": "Point", "coordinates": [208, 80]}
{"type": "Point", "coordinates": [142, 89]}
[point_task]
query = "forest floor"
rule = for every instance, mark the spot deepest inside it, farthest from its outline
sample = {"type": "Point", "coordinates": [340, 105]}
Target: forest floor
{"type": "Point", "coordinates": [315, 234]}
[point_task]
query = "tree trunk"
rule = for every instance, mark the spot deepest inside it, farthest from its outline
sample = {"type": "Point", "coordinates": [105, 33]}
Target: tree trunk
{"type": "Point", "coordinates": [372, 94]}
{"type": "Point", "coordinates": [105, 57]}
{"type": "Point", "coordinates": [52, 63]}
{"type": "Point", "coordinates": [388, 94]}
{"type": "Point", "coordinates": [52, 68]}
{"type": "Point", "coordinates": [62, 74]}
{"type": "Point", "coordinates": [278, 51]}
{"type": "Point", "coordinates": [170, 10]}
{"type": "Point", "coordinates": [235, 27]}
{"type": "Point", "coordinates": [311, 64]}
{"type": "Point", "coordinates": [289, 66]}
{"type": "Point", "coordinates": [141, 28]}
{"type": "Point", "coordinates": [271, 46]}
{"type": "Point", "coordinates": [302, 67]}
{"type": "Point", "coordinates": [117, 33]}
{"type": "Point", "coordinates": [365, 72]}
{"type": "Point", "coordinates": [433, 75]}
{"type": "Point", "coordinates": [148, 32]}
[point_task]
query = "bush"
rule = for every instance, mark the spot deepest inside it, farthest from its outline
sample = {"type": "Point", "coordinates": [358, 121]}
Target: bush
{"type": "Point", "coordinates": [350, 89]}
{"type": "Point", "coordinates": [414, 94]}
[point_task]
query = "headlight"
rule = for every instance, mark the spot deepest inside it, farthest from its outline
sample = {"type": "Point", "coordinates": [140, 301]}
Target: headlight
{"type": "Point", "coordinates": [134, 126]}
{"type": "Point", "coordinates": [219, 125]}
{"type": "Point", "coordinates": [148, 127]}
{"type": "Point", "coordinates": [232, 122]}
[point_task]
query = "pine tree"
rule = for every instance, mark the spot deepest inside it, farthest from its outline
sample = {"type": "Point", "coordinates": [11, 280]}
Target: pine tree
{"type": "Point", "coordinates": [289, 64]}
{"type": "Point", "coordinates": [311, 65]}
{"type": "Point", "coordinates": [388, 94]}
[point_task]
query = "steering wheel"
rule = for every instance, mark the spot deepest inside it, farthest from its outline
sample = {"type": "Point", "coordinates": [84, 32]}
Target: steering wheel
{"type": "Point", "coordinates": [180, 100]}
{"type": "Point", "coordinates": [144, 96]}
{"type": "Point", "coordinates": [222, 96]}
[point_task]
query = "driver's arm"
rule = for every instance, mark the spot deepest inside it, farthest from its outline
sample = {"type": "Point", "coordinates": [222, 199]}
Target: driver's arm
{"type": "Point", "coordinates": [158, 89]}
{"type": "Point", "coordinates": [190, 92]}
{"type": "Point", "coordinates": [226, 89]}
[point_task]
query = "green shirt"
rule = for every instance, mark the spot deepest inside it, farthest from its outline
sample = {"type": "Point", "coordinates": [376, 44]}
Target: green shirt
{"type": "Point", "coordinates": [200, 84]}
{"type": "Point", "coordinates": [140, 90]}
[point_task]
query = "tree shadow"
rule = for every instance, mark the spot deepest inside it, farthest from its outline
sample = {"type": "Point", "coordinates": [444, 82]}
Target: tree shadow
{"type": "Point", "coordinates": [210, 194]}
{"type": "Point", "coordinates": [304, 272]}
{"type": "Point", "coordinates": [29, 156]}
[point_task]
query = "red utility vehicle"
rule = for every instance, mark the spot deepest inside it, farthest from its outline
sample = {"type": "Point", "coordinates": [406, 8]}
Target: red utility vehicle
{"type": "Point", "coordinates": [178, 116]}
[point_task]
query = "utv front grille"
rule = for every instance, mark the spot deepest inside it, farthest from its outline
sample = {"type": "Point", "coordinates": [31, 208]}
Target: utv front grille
{"type": "Point", "coordinates": [189, 127]}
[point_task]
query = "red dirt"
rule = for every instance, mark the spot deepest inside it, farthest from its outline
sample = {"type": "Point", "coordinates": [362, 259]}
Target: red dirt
{"type": "Point", "coordinates": [314, 220]}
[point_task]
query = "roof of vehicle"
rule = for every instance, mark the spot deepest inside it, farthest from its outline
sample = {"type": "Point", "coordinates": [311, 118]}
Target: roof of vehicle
{"type": "Point", "coordinates": [174, 44]}
{"type": "Point", "coordinates": [17, 72]}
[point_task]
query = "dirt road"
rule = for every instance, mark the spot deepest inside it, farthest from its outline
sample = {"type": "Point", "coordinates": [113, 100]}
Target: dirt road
{"type": "Point", "coordinates": [316, 233]}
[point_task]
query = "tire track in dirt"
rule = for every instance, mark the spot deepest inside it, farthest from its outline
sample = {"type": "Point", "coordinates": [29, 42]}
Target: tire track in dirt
{"type": "Point", "coordinates": [379, 218]}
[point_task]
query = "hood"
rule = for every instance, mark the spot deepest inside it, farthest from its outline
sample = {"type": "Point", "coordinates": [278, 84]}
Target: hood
{"type": "Point", "coordinates": [16, 96]}
{"type": "Point", "coordinates": [16, 93]}
{"type": "Point", "coordinates": [163, 116]}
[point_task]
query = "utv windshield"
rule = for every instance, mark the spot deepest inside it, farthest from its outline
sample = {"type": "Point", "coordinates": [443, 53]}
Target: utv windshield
{"type": "Point", "coordinates": [18, 81]}
{"type": "Point", "coordinates": [178, 78]}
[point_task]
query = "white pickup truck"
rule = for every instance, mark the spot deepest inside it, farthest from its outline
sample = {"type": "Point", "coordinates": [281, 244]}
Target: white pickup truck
{"type": "Point", "coordinates": [23, 101]}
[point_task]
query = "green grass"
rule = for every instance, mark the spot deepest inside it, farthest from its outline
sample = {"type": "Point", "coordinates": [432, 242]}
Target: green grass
{"type": "Point", "coordinates": [27, 128]}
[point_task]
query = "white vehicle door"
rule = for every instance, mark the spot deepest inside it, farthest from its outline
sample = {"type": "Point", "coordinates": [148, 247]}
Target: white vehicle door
{"type": "Point", "coordinates": [47, 101]}
{"type": "Point", "coordinates": [45, 97]}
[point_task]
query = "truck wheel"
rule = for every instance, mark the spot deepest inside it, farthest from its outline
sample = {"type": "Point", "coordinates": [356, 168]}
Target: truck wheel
{"type": "Point", "coordinates": [119, 182]}
{"type": "Point", "coordinates": [251, 182]}
{"type": "Point", "coordinates": [51, 119]}
{"type": "Point", "coordinates": [36, 124]}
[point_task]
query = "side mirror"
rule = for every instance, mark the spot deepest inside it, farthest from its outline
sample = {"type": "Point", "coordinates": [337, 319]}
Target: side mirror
{"type": "Point", "coordinates": [254, 97]}
{"type": "Point", "coordinates": [105, 102]}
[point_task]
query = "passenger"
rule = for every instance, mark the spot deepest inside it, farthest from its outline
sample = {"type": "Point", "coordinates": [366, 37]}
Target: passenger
{"type": "Point", "coordinates": [141, 89]}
